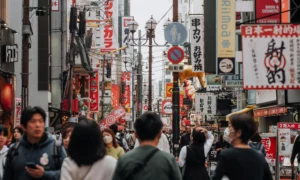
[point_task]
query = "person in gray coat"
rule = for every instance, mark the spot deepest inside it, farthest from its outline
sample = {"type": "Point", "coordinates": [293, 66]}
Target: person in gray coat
{"type": "Point", "coordinates": [38, 155]}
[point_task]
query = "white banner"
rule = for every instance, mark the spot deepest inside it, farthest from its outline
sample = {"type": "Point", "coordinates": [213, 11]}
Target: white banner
{"type": "Point", "coordinates": [197, 43]}
{"type": "Point", "coordinates": [206, 103]}
{"type": "Point", "coordinates": [109, 29]}
{"type": "Point", "coordinates": [271, 56]}
{"type": "Point", "coordinates": [284, 142]}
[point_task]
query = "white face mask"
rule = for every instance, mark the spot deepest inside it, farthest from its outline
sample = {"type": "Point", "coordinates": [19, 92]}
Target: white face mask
{"type": "Point", "coordinates": [107, 139]}
{"type": "Point", "coordinates": [226, 136]}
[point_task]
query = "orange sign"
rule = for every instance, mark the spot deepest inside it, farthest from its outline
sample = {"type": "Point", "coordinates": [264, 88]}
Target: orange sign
{"type": "Point", "coordinates": [115, 95]}
{"type": "Point", "coordinates": [285, 7]}
{"type": "Point", "coordinates": [169, 87]}
{"type": "Point", "coordinates": [270, 111]}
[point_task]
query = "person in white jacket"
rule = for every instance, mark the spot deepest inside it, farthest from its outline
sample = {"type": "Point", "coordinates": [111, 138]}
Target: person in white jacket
{"type": "Point", "coordinates": [88, 159]}
{"type": "Point", "coordinates": [163, 143]}
{"type": "Point", "coordinates": [3, 148]}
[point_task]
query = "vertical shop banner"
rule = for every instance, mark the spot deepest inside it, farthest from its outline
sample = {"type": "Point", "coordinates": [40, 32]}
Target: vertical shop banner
{"type": "Point", "coordinates": [268, 8]}
{"type": "Point", "coordinates": [284, 142]}
{"type": "Point", "coordinates": [109, 31]}
{"type": "Point", "coordinates": [94, 93]}
{"type": "Point", "coordinates": [206, 104]}
{"type": "Point", "coordinates": [169, 87]}
{"type": "Point", "coordinates": [126, 90]}
{"type": "Point", "coordinates": [115, 95]}
{"type": "Point", "coordinates": [226, 26]}
{"type": "Point", "coordinates": [270, 147]}
{"type": "Point", "coordinates": [126, 35]}
{"type": "Point", "coordinates": [239, 20]}
{"type": "Point", "coordinates": [166, 107]}
{"type": "Point", "coordinates": [285, 7]}
{"type": "Point", "coordinates": [197, 43]}
{"type": "Point", "coordinates": [271, 54]}
{"type": "Point", "coordinates": [113, 117]}
{"type": "Point", "coordinates": [18, 111]}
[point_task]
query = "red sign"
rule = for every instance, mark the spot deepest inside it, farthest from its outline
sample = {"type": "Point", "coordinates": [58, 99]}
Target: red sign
{"type": "Point", "coordinates": [285, 7]}
{"type": "Point", "coordinates": [175, 54]}
{"type": "Point", "coordinates": [167, 107]}
{"type": "Point", "coordinates": [283, 125]}
{"type": "Point", "coordinates": [269, 111]}
{"type": "Point", "coordinates": [181, 101]}
{"type": "Point", "coordinates": [18, 112]}
{"type": "Point", "coordinates": [108, 27]}
{"type": "Point", "coordinates": [115, 95]}
{"type": "Point", "coordinates": [265, 8]}
{"type": "Point", "coordinates": [145, 107]}
{"type": "Point", "coordinates": [270, 147]}
{"type": "Point", "coordinates": [94, 93]}
{"type": "Point", "coordinates": [113, 117]}
{"type": "Point", "coordinates": [126, 92]}
{"type": "Point", "coordinates": [54, 5]}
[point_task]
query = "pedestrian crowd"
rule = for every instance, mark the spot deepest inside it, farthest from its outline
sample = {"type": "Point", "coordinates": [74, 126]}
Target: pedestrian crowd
{"type": "Point", "coordinates": [83, 151]}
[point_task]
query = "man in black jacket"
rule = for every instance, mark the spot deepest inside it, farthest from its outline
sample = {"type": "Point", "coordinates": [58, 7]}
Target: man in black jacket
{"type": "Point", "coordinates": [186, 138]}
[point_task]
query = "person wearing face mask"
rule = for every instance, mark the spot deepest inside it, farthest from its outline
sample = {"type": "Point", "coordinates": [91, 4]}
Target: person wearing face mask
{"type": "Point", "coordinates": [112, 147]}
{"type": "Point", "coordinates": [241, 161]}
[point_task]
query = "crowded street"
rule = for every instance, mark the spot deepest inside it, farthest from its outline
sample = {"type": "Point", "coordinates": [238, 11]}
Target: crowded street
{"type": "Point", "coordinates": [149, 89]}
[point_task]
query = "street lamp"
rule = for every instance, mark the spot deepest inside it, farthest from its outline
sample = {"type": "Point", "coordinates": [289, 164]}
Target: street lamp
{"type": "Point", "coordinates": [167, 23]}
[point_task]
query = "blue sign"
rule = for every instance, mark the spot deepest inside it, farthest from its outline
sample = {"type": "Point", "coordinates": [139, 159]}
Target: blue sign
{"type": "Point", "coordinates": [175, 33]}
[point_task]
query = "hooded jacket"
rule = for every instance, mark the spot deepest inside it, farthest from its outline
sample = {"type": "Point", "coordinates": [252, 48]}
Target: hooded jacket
{"type": "Point", "coordinates": [3, 154]}
{"type": "Point", "coordinates": [41, 154]}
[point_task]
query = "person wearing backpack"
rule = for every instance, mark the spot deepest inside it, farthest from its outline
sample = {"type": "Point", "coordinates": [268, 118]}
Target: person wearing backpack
{"type": "Point", "coordinates": [38, 155]}
{"type": "Point", "coordinates": [256, 144]}
{"type": "Point", "coordinates": [147, 162]}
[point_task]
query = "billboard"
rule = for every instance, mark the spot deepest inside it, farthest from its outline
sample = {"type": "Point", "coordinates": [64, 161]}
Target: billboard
{"type": "Point", "coordinates": [169, 87]}
{"type": "Point", "coordinates": [271, 54]}
{"type": "Point", "coordinates": [226, 27]}
{"type": "Point", "coordinates": [268, 8]}
{"type": "Point", "coordinates": [197, 43]}
{"type": "Point", "coordinates": [109, 30]}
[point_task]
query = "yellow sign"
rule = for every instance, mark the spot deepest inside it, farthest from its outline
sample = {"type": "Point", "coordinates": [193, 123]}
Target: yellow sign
{"type": "Point", "coordinates": [169, 88]}
{"type": "Point", "coordinates": [226, 28]}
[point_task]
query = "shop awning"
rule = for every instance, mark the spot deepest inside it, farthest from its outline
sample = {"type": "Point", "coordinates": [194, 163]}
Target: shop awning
{"type": "Point", "coordinates": [245, 110]}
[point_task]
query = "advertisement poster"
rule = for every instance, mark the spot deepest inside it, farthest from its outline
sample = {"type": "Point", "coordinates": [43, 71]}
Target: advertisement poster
{"type": "Point", "coordinates": [214, 82]}
{"type": "Point", "coordinates": [113, 117]}
{"type": "Point", "coordinates": [169, 87]}
{"type": "Point", "coordinates": [94, 93]}
{"type": "Point", "coordinates": [197, 43]}
{"type": "Point", "coordinates": [18, 112]}
{"type": "Point", "coordinates": [226, 29]}
{"type": "Point", "coordinates": [126, 90]}
{"type": "Point", "coordinates": [284, 142]}
{"type": "Point", "coordinates": [126, 34]}
{"type": "Point", "coordinates": [206, 104]}
{"type": "Point", "coordinates": [270, 147]}
{"type": "Point", "coordinates": [271, 55]}
{"type": "Point", "coordinates": [166, 107]}
{"type": "Point", "coordinates": [109, 32]}
{"type": "Point", "coordinates": [268, 8]}
{"type": "Point", "coordinates": [115, 95]}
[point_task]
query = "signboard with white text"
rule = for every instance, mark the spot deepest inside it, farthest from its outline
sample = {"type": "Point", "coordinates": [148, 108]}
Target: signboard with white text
{"type": "Point", "coordinates": [197, 43]}
{"type": "Point", "coordinates": [206, 104]}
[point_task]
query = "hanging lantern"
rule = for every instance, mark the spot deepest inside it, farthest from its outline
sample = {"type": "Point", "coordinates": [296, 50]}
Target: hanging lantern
{"type": "Point", "coordinates": [7, 97]}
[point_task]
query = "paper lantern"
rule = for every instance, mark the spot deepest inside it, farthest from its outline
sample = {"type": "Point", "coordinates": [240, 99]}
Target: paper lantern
{"type": "Point", "coordinates": [7, 98]}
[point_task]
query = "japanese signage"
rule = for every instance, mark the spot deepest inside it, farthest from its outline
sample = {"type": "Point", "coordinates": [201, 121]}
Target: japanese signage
{"type": "Point", "coordinates": [285, 8]}
{"type": "Point", "coordinates": [169, 87]}
{"type": "Point", "coordinates": [197, 43]}
{"type": "Point", "coordinates": [214, 82]}
{"type": "Point", "coordinates": [226, 27]}
{"type": "Point", "coordinates": [234, 83]}
{"type": "Point", "coordinates": [126, 90]}
{"type": "Point", "coordinates": [115, 95]}
{"type": "Point", "coordinates": [18, 112]}
{"type": "Point", "coordinates": [10, 53]}
{"type": "Point", "coordinates": [54, 5]}
{"type": "Point", "coordinates": [283, 125]}
{"type": "Point", "coordinates": [270, 111]}
{"type": "Point", "coordinates": [126, 35]}
{"type": "Point", "coordinates": [94, 93]}
{"type": "Point", "coordinates": [206, 103]}
{"type": "Point", "coordinates": [109, 31]}
{"type": "Point", "coordinates": [271, 54]}
{"type": "Point", "coordinates": [270, 147]}
{"type": "Point", "coordinates": [113, 117]}
{"type": "Point", "coordinates": [268, 8]}
{"type": "Point", "coordinates": [284, 142]}
{"type": "Point", "coordinates": [166, 107]}
{"type": "Point", "coordinates": [239, 20]}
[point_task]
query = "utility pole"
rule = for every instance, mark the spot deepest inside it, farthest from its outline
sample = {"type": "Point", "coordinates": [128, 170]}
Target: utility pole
{"type": "Point", "coordinates": [150, 34]}
{"type": "Point", "coordinates": [25, 54]}
{"type": "Point", "coordinates": [175, 97]}
{"type": "Point", "coordinates": [140, 76]}
{"type": "Point", "coordinates": [102, 89]}
{"type": "Point", "coordinates": [132, 86]}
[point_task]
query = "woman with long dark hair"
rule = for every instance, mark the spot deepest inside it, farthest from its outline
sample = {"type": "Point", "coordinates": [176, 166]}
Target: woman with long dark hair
{"type": "Point", "coordinates": [112, 147]}
{"type": "Point", "coordinates": [241, 161]}
{"type": "Point", "coordinates": [17, 134]}
{"type": "Point", "coordinates": [87, 155]}
{"type": "Point", "coordinates": [193, 157]}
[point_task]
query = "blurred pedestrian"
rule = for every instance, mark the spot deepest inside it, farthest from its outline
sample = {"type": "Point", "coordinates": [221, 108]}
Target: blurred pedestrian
{"type": "Point", "coordinates": [88, 159]}
{"type": "Point", "coordinates": [221, 145]}
{"type": "Point", "coordinates": [17, 135]}
{"type": "Point", "coordinates": [193, 157]}
{"type": "Point", "coordinates": [112, 147]}
{"type": "Point", "coordinates": [3, 148]}
{"type": "Point", "coordinates": [241, 161]}
{"type": "Point", "coordinates": [120, 140]}
{"type": "Point", "coordinates": [185, 138]}
{"type": "Point", "coordinates": [146, 162]}
{"type": "Point", "coordinates": [256, 144]}
{"type": "Point", "coordinates": [66, 137]}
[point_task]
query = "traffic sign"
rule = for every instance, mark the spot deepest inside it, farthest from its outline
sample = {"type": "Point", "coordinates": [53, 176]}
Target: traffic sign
{"type": "Point", "coordinates": [175, 55]}
{"type": "Point", "coordinates": [175, 33]}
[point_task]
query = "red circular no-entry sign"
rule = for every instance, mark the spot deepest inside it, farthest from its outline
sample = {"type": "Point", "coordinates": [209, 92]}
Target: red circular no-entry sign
{"type": "Point", "coordinates": [175, 54]}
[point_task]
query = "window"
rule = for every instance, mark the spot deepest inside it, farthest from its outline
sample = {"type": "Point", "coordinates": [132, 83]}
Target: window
{"type": "Point", "coordinates": [3, 10]}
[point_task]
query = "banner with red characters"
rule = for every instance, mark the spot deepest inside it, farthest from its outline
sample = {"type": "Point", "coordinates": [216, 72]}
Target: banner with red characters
{"type": "Point", "coordinates": [126, 91]}
{"type": "Point", "coordinates": [94, 93]}
{"type": "Point", "coordinates": [115, 95]}
{"type": "Point", "coordinates": [113, 117]}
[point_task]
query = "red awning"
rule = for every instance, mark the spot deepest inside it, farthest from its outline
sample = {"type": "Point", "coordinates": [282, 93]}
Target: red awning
{"type": "Point", "coordinates": [271, 111]}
